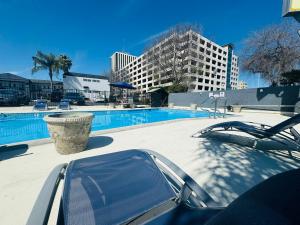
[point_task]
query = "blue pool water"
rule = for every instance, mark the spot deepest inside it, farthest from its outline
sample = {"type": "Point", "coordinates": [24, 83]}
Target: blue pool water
{"type": "Point", "coordinates": [17, 127]}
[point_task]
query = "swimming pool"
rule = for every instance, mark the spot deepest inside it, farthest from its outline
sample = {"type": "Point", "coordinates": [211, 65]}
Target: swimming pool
{"type": "Point", "coordinates": [18, 127]}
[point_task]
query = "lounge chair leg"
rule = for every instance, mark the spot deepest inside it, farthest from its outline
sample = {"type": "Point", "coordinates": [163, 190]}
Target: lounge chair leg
{"type": "Point", "coordinates": [255, 144]}
{"type": "Point", "coordinates": [290, 153]}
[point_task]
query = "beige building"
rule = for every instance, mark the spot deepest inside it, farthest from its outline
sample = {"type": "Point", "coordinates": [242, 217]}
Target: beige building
{"type": "Point", "coordinates": [210, 66]}
{"type": "Point", "coordinates": [242, 85]}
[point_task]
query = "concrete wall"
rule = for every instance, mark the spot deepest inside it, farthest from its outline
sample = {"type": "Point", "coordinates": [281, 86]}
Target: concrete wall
{"type": "Point", "coordinates": [271, 98]}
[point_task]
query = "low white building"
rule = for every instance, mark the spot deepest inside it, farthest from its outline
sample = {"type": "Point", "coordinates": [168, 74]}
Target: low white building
{"type": "Point", "coordinates": [93, 87]}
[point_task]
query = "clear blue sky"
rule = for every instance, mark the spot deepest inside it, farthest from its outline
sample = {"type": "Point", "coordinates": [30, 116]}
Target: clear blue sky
{"type": "Point", "coordinates": [89, 31]}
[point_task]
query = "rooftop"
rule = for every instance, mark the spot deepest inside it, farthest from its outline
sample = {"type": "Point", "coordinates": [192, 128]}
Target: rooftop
{"type": "Point", "coordinates": [12, 77]}
{"type": "Point", "coordinates": [85, 75]}
{"type": "Point", "coordinates": [224, 165]}
{"type": "Point", "coordinates": [45, 81]}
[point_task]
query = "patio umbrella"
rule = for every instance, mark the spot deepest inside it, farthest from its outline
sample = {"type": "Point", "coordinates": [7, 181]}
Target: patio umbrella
{"type": "Point", "coordinates": [122, 85]}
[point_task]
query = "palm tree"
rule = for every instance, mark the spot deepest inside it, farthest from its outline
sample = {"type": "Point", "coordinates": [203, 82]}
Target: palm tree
{"type": "Point", "coordinates": [48, 62]}
{"type": "Point", "coordinates": [65, 63]}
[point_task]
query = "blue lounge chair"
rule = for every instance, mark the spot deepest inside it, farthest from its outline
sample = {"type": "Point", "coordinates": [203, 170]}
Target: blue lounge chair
{"type": "Point", "coordinates": [64, 104]}
{"type": "Point", "coordinates": [143, 187]}
{"type": "Point", "coordinates": [40, 104]}
{"type": "Point", "coordinates": [284, 130]}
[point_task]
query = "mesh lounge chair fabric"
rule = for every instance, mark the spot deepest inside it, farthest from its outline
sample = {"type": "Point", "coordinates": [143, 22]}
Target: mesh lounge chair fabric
{"type": "Point", "coordinates": [272, 202]}
{"type": "Point", "coordinates": [113, 188]}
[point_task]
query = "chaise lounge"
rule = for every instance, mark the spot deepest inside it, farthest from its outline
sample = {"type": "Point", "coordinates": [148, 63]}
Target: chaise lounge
{"type": "Point", "coordinates": [284, 130]}
{"type": "Point", "coordinates": [64, 104]}
{"type": "Point", "coordinates": [40, 104]}
{"type": "Point", "coordinates": [143, 187]}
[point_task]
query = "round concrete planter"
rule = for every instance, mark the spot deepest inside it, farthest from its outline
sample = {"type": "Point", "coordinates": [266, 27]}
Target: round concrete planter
{"type": "Point", "coordinates": [193, 106]}
{"type": "Point", "coordinates": [236, 108]}
{"type": "Point", "coordinates": [69, 131]}
{"type": "Point", "coordinates": [171, 105]}
{"type": "Point", "coordinates": [111, 105]}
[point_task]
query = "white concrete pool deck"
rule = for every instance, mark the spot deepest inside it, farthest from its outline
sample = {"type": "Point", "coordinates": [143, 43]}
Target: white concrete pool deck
{"type": "Point", "coordinates": [222, 167]}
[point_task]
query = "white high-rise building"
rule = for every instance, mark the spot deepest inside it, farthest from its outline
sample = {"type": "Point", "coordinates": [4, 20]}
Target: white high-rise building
{"type": "Point", "coordinates": [119, 60]}
{"type": "Point", "coordinates": [210, 66]}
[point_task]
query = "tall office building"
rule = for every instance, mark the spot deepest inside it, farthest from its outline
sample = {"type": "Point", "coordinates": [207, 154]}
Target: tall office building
{"type": "Point", "coordinates": [119, 60]}
{"type": "Point", "coordinates": [209, 66]}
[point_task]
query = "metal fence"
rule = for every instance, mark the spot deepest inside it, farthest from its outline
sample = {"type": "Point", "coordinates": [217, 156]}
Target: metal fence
{"type": "Point", "coordinates": [91, 97]}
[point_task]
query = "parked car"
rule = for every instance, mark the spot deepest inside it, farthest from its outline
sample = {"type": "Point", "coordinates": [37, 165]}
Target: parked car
{"type": "Point", "coordinates": [99, 98]}
{"type": "Point", "coordinates": [56, 96]}
{"type": "Point", "coordinates": [13, 97]}
{"type": "Point", "coordinates": [75, 98]}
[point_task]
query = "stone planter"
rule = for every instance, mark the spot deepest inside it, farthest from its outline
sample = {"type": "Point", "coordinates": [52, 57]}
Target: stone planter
{"type": "Point", "coordinates": [111, 105]}
{"type": "Point", "coordinates": [193, 106]}
{"type": "Point", "coordinates": [69, 131]}
{"type": "Point", "coordinates": [171, 105]}
{"type": "Point", "coordinates": [236, 108]}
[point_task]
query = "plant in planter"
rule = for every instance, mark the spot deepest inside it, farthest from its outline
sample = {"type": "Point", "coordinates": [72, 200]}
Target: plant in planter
{"type": "Point", "coordinates": [237, 108]}
{"type": "Point", "coordinates": [69, 131]}
{"type": "Point", "coordinates": [230, 108]}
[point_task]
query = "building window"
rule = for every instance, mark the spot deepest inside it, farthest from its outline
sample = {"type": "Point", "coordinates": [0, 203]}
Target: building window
{"type": "Point", "coordinates": [194, 37]}
{"type": "Point", "coordinates": [193, 62]}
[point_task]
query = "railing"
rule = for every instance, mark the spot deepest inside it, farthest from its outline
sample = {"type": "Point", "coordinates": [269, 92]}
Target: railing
{"type": "Point", "coordinates": [91, 97]}
{"type": "Point", "coordinates": [214, 110]}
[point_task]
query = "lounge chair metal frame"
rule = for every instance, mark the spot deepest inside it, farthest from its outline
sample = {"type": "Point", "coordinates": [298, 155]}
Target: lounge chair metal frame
{"type": "Point", "coordinates": [260, 131]}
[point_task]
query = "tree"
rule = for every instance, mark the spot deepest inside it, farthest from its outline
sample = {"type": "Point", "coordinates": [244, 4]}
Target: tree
{"type": "Point", "coordinates": [65, 63]}
{"type": "Point", "coordinates": [52, 63]}
{"type": "Point", "coordinates": [272, 51]}
{"type": "Point", "coordinates": [169, 53]}
{"type": "Point", "coordinates": [290, 78]}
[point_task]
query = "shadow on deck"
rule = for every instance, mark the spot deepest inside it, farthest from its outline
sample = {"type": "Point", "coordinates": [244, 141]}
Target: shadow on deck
{"type": "Point", "coordinates": [232, 166]}
{"type": "Point", "coordinates": [98, 142]}
{"type": "Point", "coordinates": [8, 152]}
